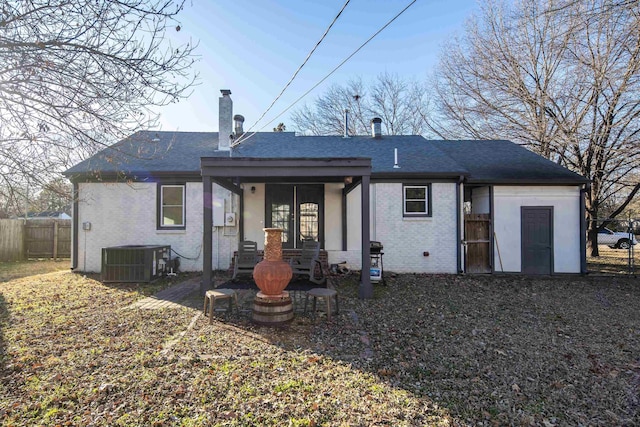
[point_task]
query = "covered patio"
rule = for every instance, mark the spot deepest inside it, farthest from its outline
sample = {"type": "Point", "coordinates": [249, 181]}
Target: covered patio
{"type": "Point", "coordinates": [230, 173]}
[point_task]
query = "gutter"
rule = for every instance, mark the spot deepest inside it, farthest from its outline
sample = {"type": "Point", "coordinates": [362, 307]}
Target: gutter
{"type": "Point", "coordinates": [459, 225]}
{"type": "Point", "coordinates": [583, 229]}
{"type": "Point", "coordinates": [74, 225]}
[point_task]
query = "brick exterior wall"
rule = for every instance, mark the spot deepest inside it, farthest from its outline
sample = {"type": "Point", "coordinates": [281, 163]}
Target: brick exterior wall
{"type": "Point", "coordinates": [405, 239]}
{"type": "Point", "coordinates": [126, 214]}
{"type": "Point", "coordinates": [288, 254]}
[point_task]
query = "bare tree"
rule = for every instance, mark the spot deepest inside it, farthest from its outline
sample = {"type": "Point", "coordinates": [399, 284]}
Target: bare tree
{"type": "Point", "coordinates": [395, 100]}
{"type": "Point", "coordinates": [54, 196]}
{"type": "Point", "coordinates": [76, 75]}
{"type": "Point", "coordinates": [562, 78]}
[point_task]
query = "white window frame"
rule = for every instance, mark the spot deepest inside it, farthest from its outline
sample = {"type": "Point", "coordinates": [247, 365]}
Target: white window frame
{"type": "Point", "coordinates": [426, 200]}
{"type": "Point", "coordinates": [161, 223]}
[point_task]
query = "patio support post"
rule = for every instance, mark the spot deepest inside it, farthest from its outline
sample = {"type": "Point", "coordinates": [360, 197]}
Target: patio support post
{"type": "Point", "coordinates": [207, 227]}
{"type": "Point", "coordinates": [366, 288]}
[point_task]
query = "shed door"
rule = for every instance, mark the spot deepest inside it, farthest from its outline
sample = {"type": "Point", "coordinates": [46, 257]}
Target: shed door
{"type": "Point", "coordinates": [537, 239]}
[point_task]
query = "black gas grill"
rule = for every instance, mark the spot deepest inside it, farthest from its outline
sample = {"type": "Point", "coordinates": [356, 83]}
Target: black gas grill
{"type": "Point", "coordinates": [376, 272]}
{"type": "Point", "coordinates": [376, 247]}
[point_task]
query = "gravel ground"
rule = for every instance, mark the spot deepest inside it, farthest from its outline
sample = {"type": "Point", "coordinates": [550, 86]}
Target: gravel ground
{"type": "Point", "coordinates": [427, 350]}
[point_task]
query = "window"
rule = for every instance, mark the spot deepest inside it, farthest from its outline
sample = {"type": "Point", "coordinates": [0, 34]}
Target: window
{"type": "Point", "coordinates": [417, 200]}
{"type": "Point", "coordinates": [172, 210]}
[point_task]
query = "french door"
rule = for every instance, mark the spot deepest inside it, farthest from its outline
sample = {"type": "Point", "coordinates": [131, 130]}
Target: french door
{"type": "Point", "coordinates": [298, 210]}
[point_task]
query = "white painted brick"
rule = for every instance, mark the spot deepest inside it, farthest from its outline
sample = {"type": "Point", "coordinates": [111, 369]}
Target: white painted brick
{"type": "Point", "coordinates": [125, 214]}
{"type": "Point", "coordinates": [405, 239]}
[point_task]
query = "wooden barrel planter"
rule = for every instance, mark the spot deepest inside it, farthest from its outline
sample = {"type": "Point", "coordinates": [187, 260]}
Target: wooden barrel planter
{"type": "Point", "coordinates": [270, 311]}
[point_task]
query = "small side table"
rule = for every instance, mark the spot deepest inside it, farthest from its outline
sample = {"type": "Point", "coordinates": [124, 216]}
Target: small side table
{"type": "Point", "coordinates": [325, 293]}
{"type": "Point", "coordinates": [211, 296]}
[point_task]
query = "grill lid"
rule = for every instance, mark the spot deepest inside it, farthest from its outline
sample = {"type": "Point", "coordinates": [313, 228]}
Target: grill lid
{"type": "Point", "coordinates": [375, 247]}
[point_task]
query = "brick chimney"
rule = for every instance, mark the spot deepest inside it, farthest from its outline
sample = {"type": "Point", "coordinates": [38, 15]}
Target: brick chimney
{"type": "Point", "coordinates": [376, 127]}
{"type": "Point", "coordinates": [225, 122]}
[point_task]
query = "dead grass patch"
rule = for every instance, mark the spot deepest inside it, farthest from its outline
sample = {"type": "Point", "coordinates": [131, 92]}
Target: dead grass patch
{"type": "Point", "coordinates": [428, 350]}
{"type": "Point", "coordinates": [614, 261]}
{"type": "Point", "coordinates": [15, 270]}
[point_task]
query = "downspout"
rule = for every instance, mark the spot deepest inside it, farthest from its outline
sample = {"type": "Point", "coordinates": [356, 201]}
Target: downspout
{"type": "Point", "coordinates": [241, 215]}
{"type": "Point", "coordinates": [373, 212]}
{"type": "Point", "coordinates": [74, 246]}
{"type": "Point", "coordinates": [491, 232]}
{"type": "Point", "coordinates": [344, 219]}
{"type": "Point", "coordinates": [459, 225]}
{"type": "Point", "coordinates": [583, 229]}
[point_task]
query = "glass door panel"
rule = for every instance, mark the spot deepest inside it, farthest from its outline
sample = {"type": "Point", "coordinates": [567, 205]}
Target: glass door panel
{"type": "Point", "coordinates": [298, 210]}
{"type": "Point", "coordinates": [309, 221]}
{"type": "Point", "coordinates": [309, 212]}
{"type": "Point", "coordinates": [280, 212]}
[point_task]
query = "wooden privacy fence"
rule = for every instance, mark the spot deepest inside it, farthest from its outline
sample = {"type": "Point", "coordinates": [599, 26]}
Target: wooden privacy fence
{"type": "Point", "coordinates": [11, 239]}
{"type": "Point", "coordinates": [41, 238]}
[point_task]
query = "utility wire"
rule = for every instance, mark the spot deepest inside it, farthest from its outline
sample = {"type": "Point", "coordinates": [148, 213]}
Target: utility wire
{"type": "Point", "coordinates": [331, 72]}
{"type": "Point", "coordinates": [298, 70]}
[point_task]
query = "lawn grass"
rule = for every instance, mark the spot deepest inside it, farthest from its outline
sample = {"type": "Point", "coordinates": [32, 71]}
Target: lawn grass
{"type": "Point", "coordinates": [427, 350]}
{"type": "Point", "coordinates": [15, 270]}
{"type": "Point", "coordinates": [614, 261]}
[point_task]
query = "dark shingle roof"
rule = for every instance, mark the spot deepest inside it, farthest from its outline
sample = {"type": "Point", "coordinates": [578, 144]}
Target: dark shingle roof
{"type": "Point", "coordinates": [149, 153]}
{"type": "Point", "coordinates": [499, 161]}
{"type": "Point", "coordinates": [415, 154]}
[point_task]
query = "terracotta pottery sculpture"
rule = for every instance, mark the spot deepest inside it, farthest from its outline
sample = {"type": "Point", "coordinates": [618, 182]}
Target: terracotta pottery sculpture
{"type": "Point", "coordinates": [272, 274]}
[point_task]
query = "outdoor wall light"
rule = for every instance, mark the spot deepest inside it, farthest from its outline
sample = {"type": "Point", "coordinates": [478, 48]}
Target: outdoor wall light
{"type": "Point", "coordinates": [253, 189]}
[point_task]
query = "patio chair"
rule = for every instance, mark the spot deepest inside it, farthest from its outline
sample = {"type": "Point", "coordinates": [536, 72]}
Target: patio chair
{"type": "Point", "coordinates": [308, 263]}
{"type": "Point", "coordinates": [246, 259]}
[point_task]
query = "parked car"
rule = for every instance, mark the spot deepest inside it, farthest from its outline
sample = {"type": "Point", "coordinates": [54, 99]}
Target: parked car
{"type": "Point", "coordinates": [616, 239]}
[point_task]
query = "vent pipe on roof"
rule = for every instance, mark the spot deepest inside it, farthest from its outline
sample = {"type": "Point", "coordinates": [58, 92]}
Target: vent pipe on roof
{"type": "Point", "coordinates": [395, 159]}
{"type": "Point", "coordinates": [376, 127]}
{"type": "Point", "coordinates": [346, 123]}
{"type": "Point", "coordinates": [239, 120]}
{"type": "Point", "coordinates": [225, 122]}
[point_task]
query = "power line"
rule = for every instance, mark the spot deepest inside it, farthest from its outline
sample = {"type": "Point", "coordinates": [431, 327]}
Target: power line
{"type": "Point", "coordinates": [298, 70]}
{"type": "Point", "coordinates": [330, 73]}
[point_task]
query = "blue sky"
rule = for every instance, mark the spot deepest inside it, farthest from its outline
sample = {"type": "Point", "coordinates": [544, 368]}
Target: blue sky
{"type": "Point", "coordinates": [253, 47]}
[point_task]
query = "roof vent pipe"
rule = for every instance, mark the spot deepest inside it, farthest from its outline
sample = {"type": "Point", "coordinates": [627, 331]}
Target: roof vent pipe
{"type": "Point", "coordinates": [376, 127]}
{"type": "Point", "coordinates": [346, 123]}
{"type": "Point", "coordinates": [239, 120]}
{"type": "Point", "coordinates": [395, 159]}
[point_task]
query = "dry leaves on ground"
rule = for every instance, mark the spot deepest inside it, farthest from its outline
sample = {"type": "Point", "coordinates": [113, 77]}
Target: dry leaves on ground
{"type": "Point", "coordinates": [427, 350]}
